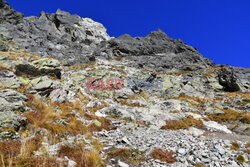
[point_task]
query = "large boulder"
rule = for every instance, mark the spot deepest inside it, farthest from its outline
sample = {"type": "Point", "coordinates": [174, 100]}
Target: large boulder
{"type": "Point", "coordinates": [11, 100]}
{"type": "Point", "coordinates": [8, 79]}
{"type": "Point", "coordinates": [45, 66]}
{"type": "Point", "coordinates": [228, 79]}
{"type": "Point", "coordinates": [12, 120]}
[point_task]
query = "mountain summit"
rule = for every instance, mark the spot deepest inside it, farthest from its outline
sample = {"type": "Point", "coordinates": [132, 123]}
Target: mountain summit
{"type": "Point", "coordinates": [71, 95]}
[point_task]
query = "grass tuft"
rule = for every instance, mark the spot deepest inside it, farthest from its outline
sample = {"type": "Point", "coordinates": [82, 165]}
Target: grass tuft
{"type": "Point", "coordinates": [82, 157]}
{"type": "Point", "coordinates": [164, 156]}
{"type": "Point", "coordinates": [183, 124]}
{"type": "Point", "coordinates": [235, 146]}
{"type": "Point", "coordinates": [240, 159]}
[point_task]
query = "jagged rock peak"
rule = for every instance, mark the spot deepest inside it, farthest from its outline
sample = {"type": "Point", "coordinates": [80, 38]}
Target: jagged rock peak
{"type": "Point", "coordinates": [61, 35]}
{"type": "Point", "coordinates": [7, 13]}
{"type": "Point", "coordinates": [159, 34]}
{"type": "Point", "coordinates": [155, 51]}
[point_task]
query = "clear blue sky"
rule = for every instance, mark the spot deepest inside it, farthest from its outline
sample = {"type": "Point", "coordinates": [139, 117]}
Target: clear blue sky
{"type": "Point", "coordinates": [220, 29]}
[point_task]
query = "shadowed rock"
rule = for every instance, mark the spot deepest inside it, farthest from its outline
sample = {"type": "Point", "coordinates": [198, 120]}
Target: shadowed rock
{"type": "Point", "coordinates": [228, 79]}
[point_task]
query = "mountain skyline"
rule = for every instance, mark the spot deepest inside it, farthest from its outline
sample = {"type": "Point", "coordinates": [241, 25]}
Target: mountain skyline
{"type": "Point", "coordinates": [219, 30]}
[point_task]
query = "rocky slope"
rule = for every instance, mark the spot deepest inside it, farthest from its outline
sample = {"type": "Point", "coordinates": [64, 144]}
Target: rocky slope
{"type": "Point", "coordinates": [70, 95]}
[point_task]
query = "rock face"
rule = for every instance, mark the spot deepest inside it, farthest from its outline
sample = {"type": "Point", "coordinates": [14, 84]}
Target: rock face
{"type": "Point", "coordinates": [155, 51]}
{"type": "Point", "coordinates": [11, 101]}
{"type": "Point", "coordinates": [8, 79]}
{"type": "Point", "coordinates": [60, 35]}
{"type": "Point", "coordinates": [65, 81]}
{"type": "Point", "coordinates": [8, 14]}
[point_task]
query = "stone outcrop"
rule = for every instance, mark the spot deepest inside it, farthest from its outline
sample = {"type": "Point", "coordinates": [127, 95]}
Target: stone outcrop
{"type": "Point", "coordinates": [8, 14]}
{"type": "Point", "coordinates": [155, 51]}
{"type": "Point", "coordinates": [61, 35]}
{"type": "Point", "coordinates": [228, 80]}
{"type": "Point", "coordinates": [45, 66]}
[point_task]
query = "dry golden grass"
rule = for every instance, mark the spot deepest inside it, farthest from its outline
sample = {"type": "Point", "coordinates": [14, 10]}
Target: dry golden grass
{"type": "Point", "coordinates": [233, 94]}
{"type": "Point", "coordinates": [81, 156]}
{"type": "Point", "coordinates": [164, 156]}
{"type": "Point", "coordinates": [22, 153]}
{"type": "Point", "coordinates": [230, 116]}
{"type": "Point", "coordinates": [199, 165]}
{"type": "Point", "coordinates": [81, 66]}
{"type": "Point", "coordinates": [22, 89]}
{"type": "Point", "coordinates": [132, 156]}
{"type": "Point", "coordinates": [16, 56]}
{"type": "Point", "coordinates": [209, 71]}
{"type": "Point", "coordinates": [6, 69]}
{"type": "Point", "coordinates": [29, 146]}
{"type": "Point", "coordinates": [2, 87]}
{"type": "Point", "coordinates": [248, 144]}
{"type": "Point", "coordinates": [10, 149]}
{"type": "Point", "coordinates": [235, 146]}
{"type": "Point", "coordinates": [173, 73]}
{"type": "Point", "coordinates": [175, 111]}
{"type": "Point", "coordinates": [247, 151]}
{"type": "Point", "coordinates": [122, 153]}
{"type": "Point", "coordinates": [105, 123]}
{"type": "Point", "coordinates": [126, 103]}
{"type": "Point", "coordinates": [183, 124]}
{"type": "Point", "coordinates": [118, 58]}
{"type": "Point", "coordinates": [45, 116]}
{"type": "Point", "coordinates": [83, 98]}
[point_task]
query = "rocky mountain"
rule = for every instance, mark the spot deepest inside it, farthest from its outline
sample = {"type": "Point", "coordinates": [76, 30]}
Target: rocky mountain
{"type": "Point", "coordinates": [71, 95]}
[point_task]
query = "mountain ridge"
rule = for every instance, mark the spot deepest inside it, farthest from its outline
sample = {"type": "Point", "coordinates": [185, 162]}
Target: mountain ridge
{"type": "Point", "coordinates": [71, 95]}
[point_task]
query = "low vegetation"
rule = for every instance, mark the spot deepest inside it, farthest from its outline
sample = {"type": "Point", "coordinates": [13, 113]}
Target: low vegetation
{"type": "Point", "coordinates": [5, 68]}
{"type": "Point", "coordinates": [183, 124]}
{"type": "Point", "coordinates": [47, 113]}
{"type": "Point", "coordinates": [81, 66]}
{"type": "Point", "coordinates": [48, 117]}
{"type": "Point", "coordinates": [230, 115]}
{"type": "Point", "coordinates": [132, 156]}
{"type": "Point", "coordinates": [164, 156]}
{"type": "Point", "coordinates": [235, 146]}
{"type": "Point", "coordinates": [240, 158]}
{"type": "Point", "coordinates": [16, 153]}
{"type": "Point", "coordinates": [248, 144]}
{"type": "Point", "coordinates": [199, 165]}
{"type": "Point", "coordinates": [81, 156]}
{"type": "Point", "coordinates": [247, 151]}
{"type": "Point", "coordinates": [173, 73]}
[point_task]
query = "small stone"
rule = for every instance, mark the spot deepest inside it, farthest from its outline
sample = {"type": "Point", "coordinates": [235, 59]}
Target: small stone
{"type": "Point", "coordinates": [97, 123]}
{"type": "Point", "coordinates": [227, 142]}
{"type": "Point", "coordinates": [125, 140]}
{"type": "Point", "coordinates": [122, 164]}
{"type": "Point", "coordinates": [71, 163]}
{"type": "Point", "coordinates": [221, 151]}
{"type": "Point", "coordinates": [182, 151]}
{"type": "Point", "coordinates": [205, 160]}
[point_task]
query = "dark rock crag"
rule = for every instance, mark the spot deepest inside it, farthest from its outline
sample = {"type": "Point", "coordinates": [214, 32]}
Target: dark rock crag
{"type": "Point", "coordinates": [155, 51]}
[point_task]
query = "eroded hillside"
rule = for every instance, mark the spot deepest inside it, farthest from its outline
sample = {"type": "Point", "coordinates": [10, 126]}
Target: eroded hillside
{"type": "Point", "coordinates": [70, 95]}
